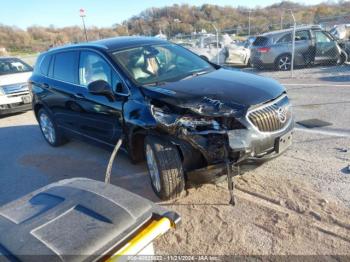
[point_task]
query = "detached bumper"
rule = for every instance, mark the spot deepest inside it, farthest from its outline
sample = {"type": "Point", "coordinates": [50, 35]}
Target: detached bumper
{"type": "Point", "coordinates": [248, 148]}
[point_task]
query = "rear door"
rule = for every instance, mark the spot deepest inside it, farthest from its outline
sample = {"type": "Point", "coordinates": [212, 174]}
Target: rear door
{"type": "Point", "coordinates": [59, 94]}
{"type": "Point", "coordinates": [302, 45]}
{"type": "Point", "coordinates": [326, 48]}
{"type": "Point", "coordinates": [304, 50]}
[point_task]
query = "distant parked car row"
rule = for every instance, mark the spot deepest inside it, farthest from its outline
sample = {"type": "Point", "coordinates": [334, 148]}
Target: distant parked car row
{"type": "Point", "coordinates": [222, 53]}
{"type": "Point", "coordinates": [312, 46]}
{"type": "Point", "coordinates": [274, 49]}
{"type": "Point", "coordinates": [14, 92]}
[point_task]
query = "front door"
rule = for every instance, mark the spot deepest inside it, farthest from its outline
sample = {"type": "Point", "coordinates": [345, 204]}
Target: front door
{"type": "Point", "coordinates": [99, 117]}
{"type": "Point", "coordinates": [327, 50]}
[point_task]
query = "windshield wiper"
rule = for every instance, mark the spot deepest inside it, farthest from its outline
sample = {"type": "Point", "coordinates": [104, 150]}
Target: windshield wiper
{"type": "Point", "coordinates": [194, 74]}
{"type": "Point", "coordinates": [159, 83]}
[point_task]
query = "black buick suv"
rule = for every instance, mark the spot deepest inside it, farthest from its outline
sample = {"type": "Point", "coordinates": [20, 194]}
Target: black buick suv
{"type": "Point", "coordinates": [182, 114]}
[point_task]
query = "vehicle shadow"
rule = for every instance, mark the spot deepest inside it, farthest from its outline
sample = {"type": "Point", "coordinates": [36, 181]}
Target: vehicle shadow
{"type": "Point", "coordinates": [27, 163]}
{"type": "Point", "coordinates": [12, 114]}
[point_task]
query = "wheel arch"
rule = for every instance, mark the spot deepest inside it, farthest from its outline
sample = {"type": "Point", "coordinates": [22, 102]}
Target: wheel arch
{"type": "Point", "coordinates": [37, 108]}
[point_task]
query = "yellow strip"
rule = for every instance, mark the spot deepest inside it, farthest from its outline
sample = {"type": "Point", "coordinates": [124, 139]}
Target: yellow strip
{"type": "Point", "coordinates": [142, 239]}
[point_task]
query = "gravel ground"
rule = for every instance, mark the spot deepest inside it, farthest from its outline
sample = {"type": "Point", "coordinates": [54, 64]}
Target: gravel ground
{"type": "Point", "coordinates": [296, 204]}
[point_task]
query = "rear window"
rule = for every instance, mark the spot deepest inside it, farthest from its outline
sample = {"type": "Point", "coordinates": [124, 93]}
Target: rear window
{"type": "Point", "coordinates": [65, 67]}
{"type": "Point", "coordinates": [261, 41]}
{"type": "Point", "coordinates": [287, 38]}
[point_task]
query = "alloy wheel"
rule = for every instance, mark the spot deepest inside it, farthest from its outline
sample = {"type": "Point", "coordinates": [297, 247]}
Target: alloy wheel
{"type": "Point", "coordinates": [284, 63]}
{"type": "Point", "coordinates": [153, 168]}
{"type": "Point", "coordinates": [47, 128]}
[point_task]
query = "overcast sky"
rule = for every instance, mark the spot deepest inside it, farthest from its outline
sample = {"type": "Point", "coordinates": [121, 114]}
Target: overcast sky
{"type": "Point", "coordinates": [24, 13]}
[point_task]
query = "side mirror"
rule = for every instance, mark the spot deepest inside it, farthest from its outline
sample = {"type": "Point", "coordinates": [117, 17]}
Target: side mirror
{"type": "Point", "coordinates": [101, 88]}
{"type": "Point", "coordinates": [120, 90]}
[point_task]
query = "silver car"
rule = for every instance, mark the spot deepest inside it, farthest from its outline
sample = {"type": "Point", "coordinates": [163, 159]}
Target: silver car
{"type": "Point", "coordinates": [312, 46]}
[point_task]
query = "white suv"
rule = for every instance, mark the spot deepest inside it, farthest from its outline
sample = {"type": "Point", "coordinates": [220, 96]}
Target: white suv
{"type": "Point", "coordinates": [14, 92]}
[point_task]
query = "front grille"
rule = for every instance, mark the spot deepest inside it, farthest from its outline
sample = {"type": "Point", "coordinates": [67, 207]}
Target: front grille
{"type": "Point", "coordinates": [272, 116]}
{"type": "Point", "coordinates": [15, 88]}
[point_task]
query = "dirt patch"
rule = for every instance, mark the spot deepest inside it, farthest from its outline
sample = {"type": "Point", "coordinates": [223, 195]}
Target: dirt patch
{"type": "Point", "coordinates": [272, 216]}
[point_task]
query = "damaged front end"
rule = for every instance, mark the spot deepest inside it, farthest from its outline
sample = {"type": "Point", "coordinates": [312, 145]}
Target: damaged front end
{"type": "Point", "coordinates": [205, 127]}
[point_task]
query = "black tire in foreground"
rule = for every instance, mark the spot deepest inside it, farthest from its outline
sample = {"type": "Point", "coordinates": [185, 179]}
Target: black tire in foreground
{"type": "Point", "coordinates": [52, 134]}
{"type": "Point", "coordinates": [165, 168]}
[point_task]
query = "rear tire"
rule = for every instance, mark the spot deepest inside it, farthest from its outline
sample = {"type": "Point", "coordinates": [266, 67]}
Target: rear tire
{"type": "Point", "coordinates": [165, 168]}
{"type": "Point", "coordinates": [52, 134]}
{"type": "Point", "coordinates": [283, 62]}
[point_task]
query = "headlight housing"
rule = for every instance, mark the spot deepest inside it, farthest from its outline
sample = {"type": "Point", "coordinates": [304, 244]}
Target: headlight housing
{"type": "Point", "coordinates": [2, 93]}
{"type": "Point", "coordinates": [163, 117]}
{"type": "Point", "coordinates": [192, 123]}
{"type": "Point", "coordinates": [199, 123]}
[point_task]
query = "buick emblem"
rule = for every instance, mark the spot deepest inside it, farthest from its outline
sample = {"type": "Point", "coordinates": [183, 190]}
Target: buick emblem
{"type": "Point", "coordinates": [282, 114]}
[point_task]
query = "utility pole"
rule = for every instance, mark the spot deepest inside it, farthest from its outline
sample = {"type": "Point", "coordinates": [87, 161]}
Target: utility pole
{"type": "Point", "coordinates": [82, 15]}
{"type": "Point", "coordinates": [126, 28]}
{"type": "Point", "coordinates": [249, 12]}
{"type": "Point", "coordinates": [217, 44]}
{"type": "Point", "coordinates": [293, 44]}
{"type": "Point", "coordinates": [281, 21]}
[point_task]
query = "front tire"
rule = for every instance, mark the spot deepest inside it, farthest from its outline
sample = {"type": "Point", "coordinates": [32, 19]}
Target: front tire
{"type": "Point", "coordinates": [49, 129]}
{"type": "Point", "coordinates": [165, 168]}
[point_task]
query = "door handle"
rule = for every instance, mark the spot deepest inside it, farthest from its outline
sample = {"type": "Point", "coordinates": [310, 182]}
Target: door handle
{"type": "Point", "coordinates": [79, 96]}
{"type": "Point", "coordinates": [45, 86]}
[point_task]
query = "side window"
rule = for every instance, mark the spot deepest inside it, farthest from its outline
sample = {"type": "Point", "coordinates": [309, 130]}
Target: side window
{"type": "Point", "coordinates": [164, 57]}
{"type": "Point", "coordinates": [93, 67]}
{"type": "Point", "coordinates": [302, 36]}
{"type": "Point", "coordinates": [65, 66]}
{"type": "Point", "coordinates": [285, 39]}
{"type": "Point", "coordinates": [322, 37]}
{"type": "Point", "coordinates": [45, 65]}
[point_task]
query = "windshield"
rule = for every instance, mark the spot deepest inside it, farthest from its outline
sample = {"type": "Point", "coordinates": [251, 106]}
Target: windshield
{"type": "Point", "coordinates": [13, 66]}
{"type": "Point", "coordinates": [154, 64]}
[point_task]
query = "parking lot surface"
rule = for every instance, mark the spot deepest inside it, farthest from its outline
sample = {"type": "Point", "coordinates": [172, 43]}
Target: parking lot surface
{"type": "Point", "coordinates": [298, 203]}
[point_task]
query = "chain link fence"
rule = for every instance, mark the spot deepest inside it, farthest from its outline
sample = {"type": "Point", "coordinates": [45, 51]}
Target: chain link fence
{"type": "Point", "coordinates": [29, 59]}
{"type": "Point", "coordinates": [319, 50]}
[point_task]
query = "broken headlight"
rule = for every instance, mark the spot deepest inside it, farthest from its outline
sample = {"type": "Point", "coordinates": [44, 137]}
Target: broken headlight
{"type": "Point", "coordinates": [163, 116]}
{"type": "Point", "coordinates": [199, 123]}
{"type": "Point", "coordinates": [192, 123]}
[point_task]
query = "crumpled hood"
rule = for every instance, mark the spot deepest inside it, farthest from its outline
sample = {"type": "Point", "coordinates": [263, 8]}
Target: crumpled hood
{"type": "Point", "coordinates": [221, 92]}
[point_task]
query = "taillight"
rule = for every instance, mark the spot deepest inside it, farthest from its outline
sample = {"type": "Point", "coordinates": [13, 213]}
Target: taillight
{"type": "Point", "coordinates": [264, 49]}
